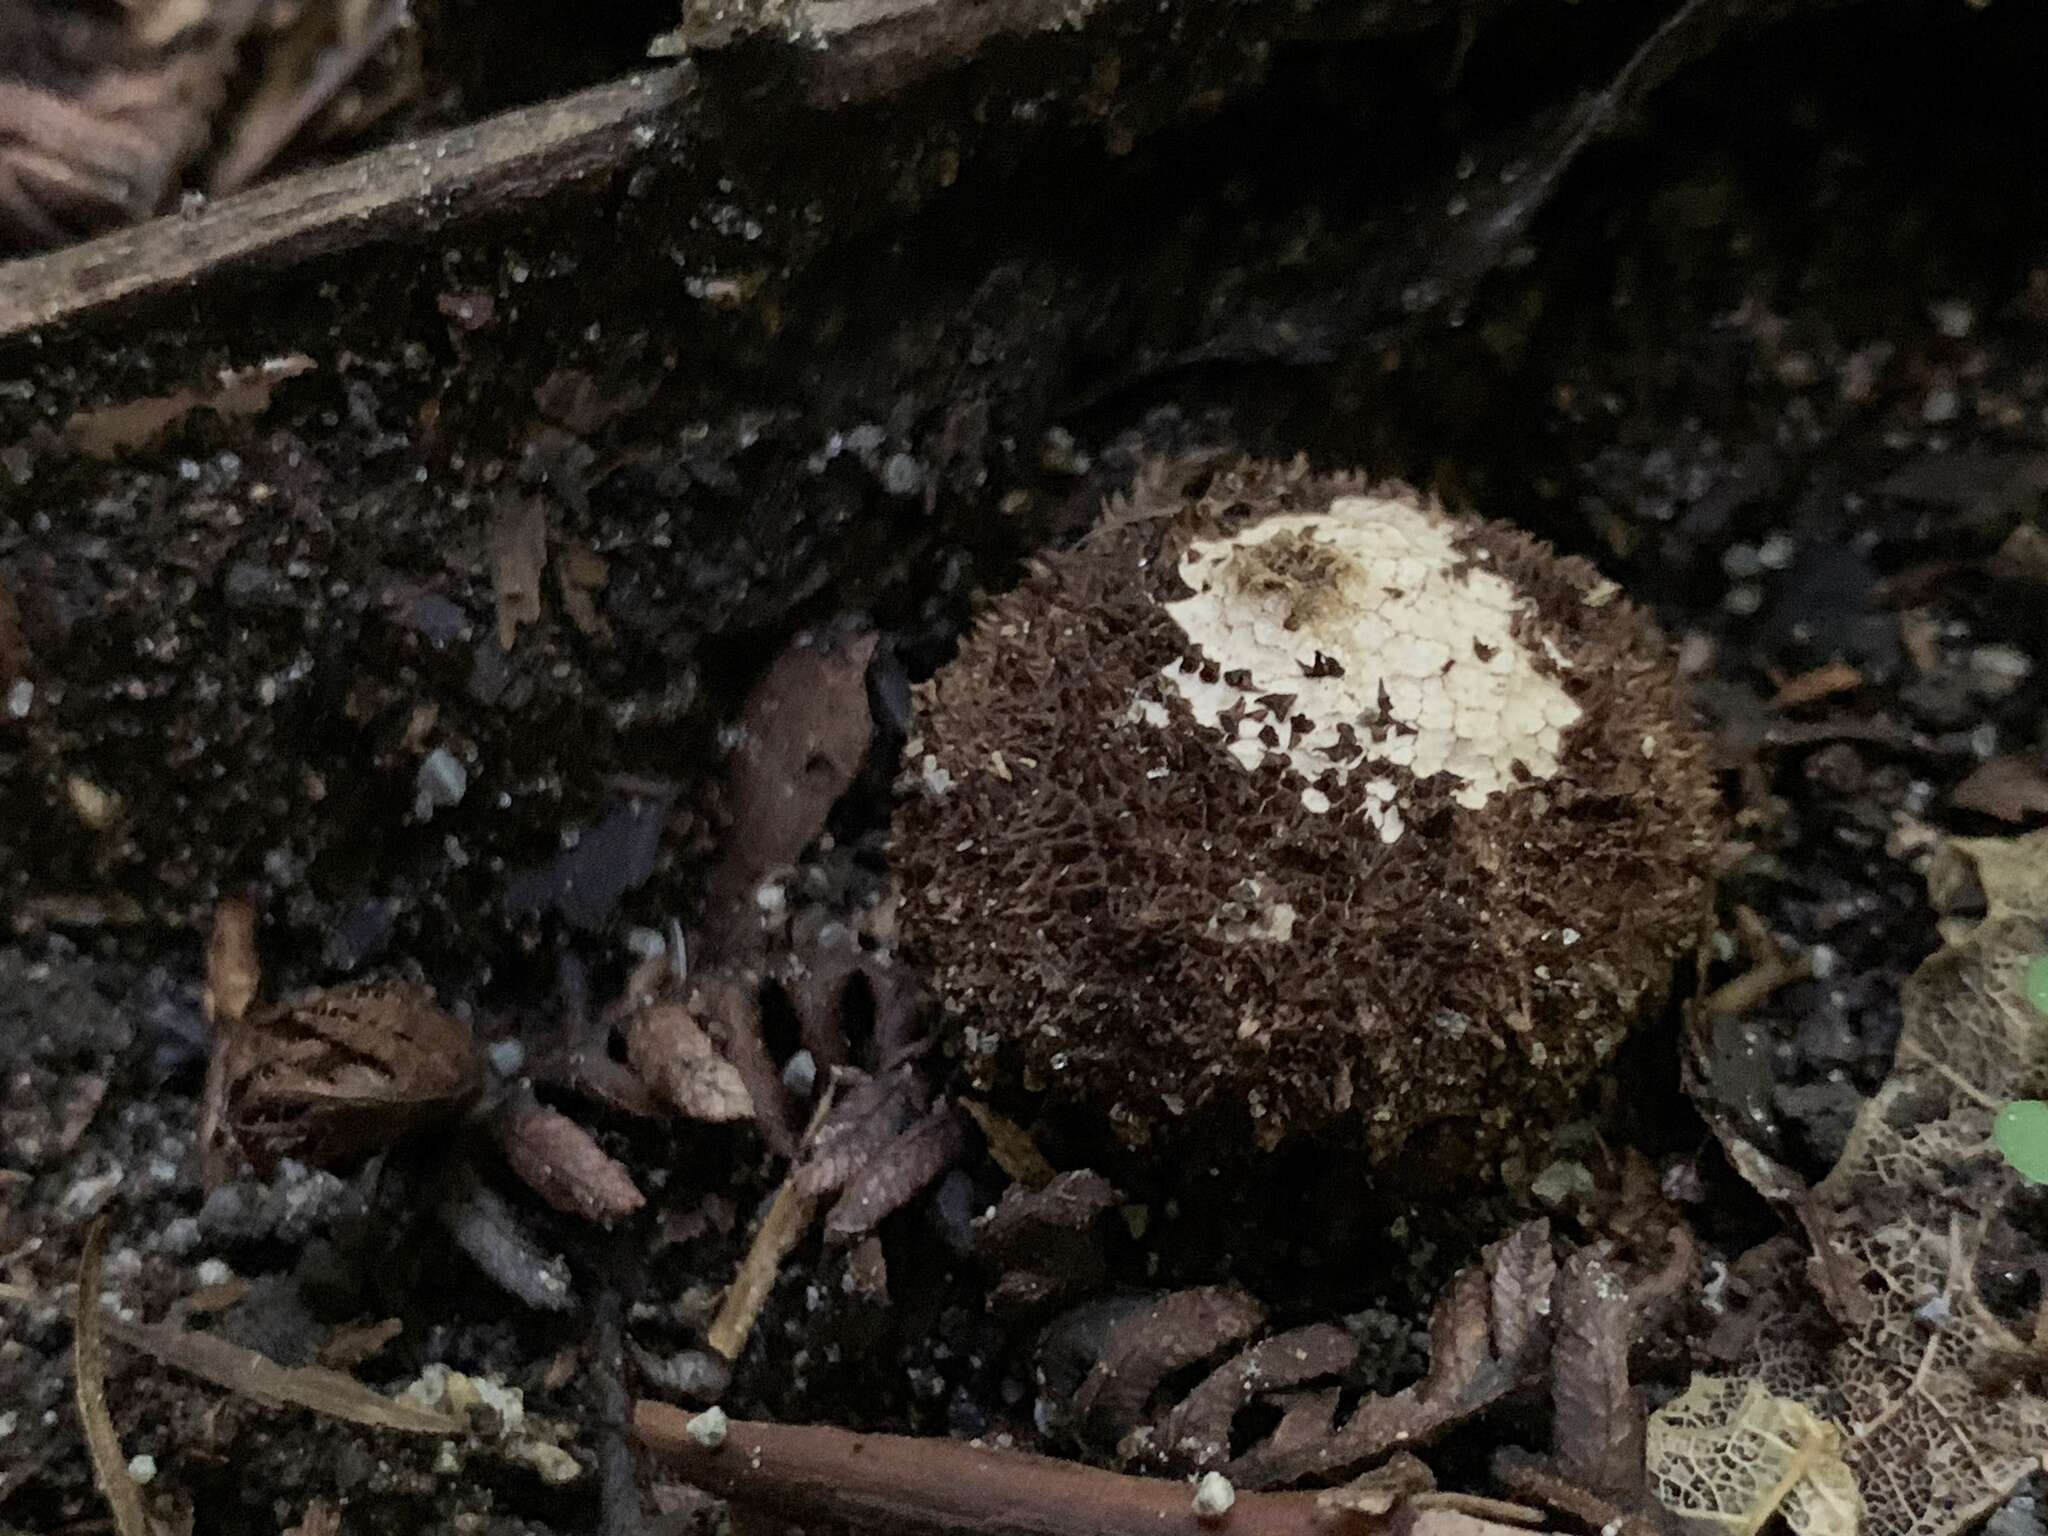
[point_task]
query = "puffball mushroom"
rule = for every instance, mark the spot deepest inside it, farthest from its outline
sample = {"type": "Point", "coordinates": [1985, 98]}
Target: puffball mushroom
{"type": "Point", "coordinates": [1301, 806]}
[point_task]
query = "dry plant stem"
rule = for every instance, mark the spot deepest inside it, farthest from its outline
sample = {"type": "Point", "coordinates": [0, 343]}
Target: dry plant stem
{"type": "Point", "coordinates": [89, 1383]}
{"type": "Point", "coordinates": [283, 110]}
{"type": "Point", "coordinates": [808, 1473]}
{"type": "Point", "coordinates": [789, 1217]}
{"type": "Point", "coordinates": [1734, 998]}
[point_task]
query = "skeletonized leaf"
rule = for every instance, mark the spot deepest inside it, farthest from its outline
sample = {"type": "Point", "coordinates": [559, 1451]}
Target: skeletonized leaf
{"type": "Point", "coordinates": [1730, 1455]}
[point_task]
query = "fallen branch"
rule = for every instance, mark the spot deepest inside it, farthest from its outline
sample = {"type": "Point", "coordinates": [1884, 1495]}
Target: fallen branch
{"type": "Point", "coordinates": [899, 1483]}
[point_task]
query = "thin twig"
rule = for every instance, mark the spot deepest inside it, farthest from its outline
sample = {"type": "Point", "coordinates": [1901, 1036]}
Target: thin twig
{"type": "Point", "coordinates": [89, 1384]}
{"type": "Point", "coordinates": [789, 1217]}
{"type": "Point", "coordinates": [899, 1483]}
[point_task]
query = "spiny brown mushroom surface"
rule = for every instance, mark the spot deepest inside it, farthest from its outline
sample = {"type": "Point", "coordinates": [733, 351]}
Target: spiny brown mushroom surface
{"type": "Point", "coordinates": [1301, 806]}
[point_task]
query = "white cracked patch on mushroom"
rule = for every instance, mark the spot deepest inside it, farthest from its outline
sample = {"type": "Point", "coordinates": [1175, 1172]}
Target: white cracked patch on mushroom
{"type": "Point", "coordinates": [1361, 634]}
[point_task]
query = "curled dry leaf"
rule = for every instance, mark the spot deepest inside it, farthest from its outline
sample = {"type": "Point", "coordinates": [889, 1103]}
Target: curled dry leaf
{"type": "Point", "coordinates": [1178, 1330]}
{"type": "Point", "coordinates": [871, 1115]}
{"type": "Point", "coordinates": [674, 1055]}
{"type": "Point", "coordinates": [2013, 789]}
{"type": "Point", "coordinates": [1487, 1336]}
{"type": "Point", "coordinates": [1045, 1243]}
{"type": "Point", "coordinates": [1196, 1434]}
{"type": "Point", "coordinates": [1024, 1219]}
{"type": "Point", "coordinates": [342, 1072]}
{"type": "Point", "coordinates": [562, 1163]}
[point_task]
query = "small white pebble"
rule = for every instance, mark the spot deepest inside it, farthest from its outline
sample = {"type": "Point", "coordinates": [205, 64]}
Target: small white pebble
{"type": "Point", "coordinates": [1213, 1496]}
{"type": "Point", "coordinates": [21, 698]}
{"type": "Point", "coordinates": [800, 1074]}
{"type": "Point", "coordinates": [507, 1057]}
{"type": "Point", "coordinates": [1954, 318]}
{"type": "Point", "coordinates": [142, 1469]}
{"type": "Point", "coordinates": [214, 1272]}
{"type": "Point", "coordinates": [708, 1428]}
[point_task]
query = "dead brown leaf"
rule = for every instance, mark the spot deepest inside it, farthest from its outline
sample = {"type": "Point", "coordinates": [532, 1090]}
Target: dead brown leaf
{"type": "Point", "coordinates": [1178, 1330]}
{"type": "Point", "coordinates": [519, 557]}
{"type": "Point", "coordinates": [89, 1384]}
{"type": "Point", "coordinates": [898, 1173]}
{"type": "Point", "coordinates": [1487, 1336]}
{"type": "Point", "coordinates": [1196, 1434]}
{"type": "Point", "coordinates": [863, 1121]}
{"type": "Point", "coordinates": [674, 1055]}
{"type": "Point", "coordinates": [802, 736]}
{"type": "Point", "coordinates": [2013, 789]}
{"type": "Point", "coordinates": [112, 429]}
{"type": "Point", "coordinates": [342, 1072]}
{"type": "Point", "coordinates": [562, 1163]}
{"type": "Point", "coordinates": [1598, 1416]}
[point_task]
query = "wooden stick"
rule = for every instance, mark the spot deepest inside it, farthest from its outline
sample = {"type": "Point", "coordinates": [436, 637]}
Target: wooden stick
{"type": "Point", "coordinates": [902, 1483]}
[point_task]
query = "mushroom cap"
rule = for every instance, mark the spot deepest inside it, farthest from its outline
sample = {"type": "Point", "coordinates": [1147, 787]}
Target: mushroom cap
{"type": "Point", "coordinates": [1304, 807]}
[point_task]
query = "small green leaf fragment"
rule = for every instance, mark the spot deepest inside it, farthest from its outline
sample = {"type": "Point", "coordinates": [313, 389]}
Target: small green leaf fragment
{"type": "Point", "coordinates": [2021, 1132]}
{"type": "Point", "coordinates": [2037, 983]}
